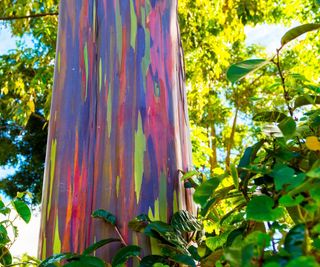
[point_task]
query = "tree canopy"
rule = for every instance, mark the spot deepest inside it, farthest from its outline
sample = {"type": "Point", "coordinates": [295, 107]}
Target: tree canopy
{"type": "Point", "coordinates": [213, 36]}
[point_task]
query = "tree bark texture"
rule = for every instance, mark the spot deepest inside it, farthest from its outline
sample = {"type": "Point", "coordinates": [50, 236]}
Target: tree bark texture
{"type": "Point", "coordinates": [119, 126]}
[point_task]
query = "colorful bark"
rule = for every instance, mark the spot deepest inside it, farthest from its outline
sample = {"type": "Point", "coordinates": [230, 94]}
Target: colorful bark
{"type": "Point", "coordinates": [119, 126]}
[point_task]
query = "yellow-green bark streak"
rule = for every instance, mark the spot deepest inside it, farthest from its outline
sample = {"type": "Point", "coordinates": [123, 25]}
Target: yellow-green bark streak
{"type": "Point", "coordinates": [52, 168]}
{"type": "Point", "coordinates": [139, 149]}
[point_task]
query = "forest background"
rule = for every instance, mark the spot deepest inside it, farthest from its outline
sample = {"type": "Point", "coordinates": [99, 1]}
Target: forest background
{"type": "Point", "coordinates": [214, 37]}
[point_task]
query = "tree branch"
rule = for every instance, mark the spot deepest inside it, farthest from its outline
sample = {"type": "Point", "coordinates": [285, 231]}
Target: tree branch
{"type": "Point", "coordinates": [29, 16]}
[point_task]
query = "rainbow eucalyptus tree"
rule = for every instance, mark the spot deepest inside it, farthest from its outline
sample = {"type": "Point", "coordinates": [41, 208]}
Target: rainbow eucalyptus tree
{"type": "Point", "coordinates": [119, 126]}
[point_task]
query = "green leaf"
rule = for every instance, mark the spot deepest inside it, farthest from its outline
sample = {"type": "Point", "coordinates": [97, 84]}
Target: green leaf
{"type": "Point", "coordinates": [22, 209]}
{"type": "Point", "coordinates": [205, 191]}
{"type": "Point", "coordinates": [161, 230]}
{"type": "Point", "coordinates": [184, 259]}
{"type": "Point", "coordinates": [314, 172]}
{"type": "Point", "coordinates": [297, 31]}
{"type": "Point", "coordinates": [86, 261]}
{"type": "Point", "coordinates": [288, 201]}
{"type": "Point", "coordinates": [239, 70]}
{"type": "Point", "coordinates": [57, 258]}
{"type": "Point", "coordinates": [295, 241]}
{"type": "Point", "coordinates": [124, 254]}
{"type": "Point", "coordinates": [260, 208]}
{"type": "Point", "coordinates": [152, 259]}
{"type": "Point", "coordinates": [184, 221]}
{"type": "Point", "coordinates": [99, 244]}
{"type": "Point", "coordinates": [188, 175]}
{"type": "Point", "coordinates": [139, 223]}
{"type": "Point", "coordinates": [305, 261]}
{"type": "Point", "coordinates": [216, 241]}
{"type": "Point", "coordinates": [286, 176]}
{"type": "Point", "coordinates": [5, 258]}
{"type": "Point", "coordinates": [306, 100]}
{"type": "Point", "coordinates": [269, 116]}
{"type": "Point", "coordinates": [105, 215]}
{"type": "Point", "coordinates": [235, 177]}
{"type": "Point", "coordinates": [288, 127]}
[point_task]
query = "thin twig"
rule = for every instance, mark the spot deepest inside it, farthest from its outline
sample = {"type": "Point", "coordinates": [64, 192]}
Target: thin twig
{"type": "Point", "coordinates": [32, 16]}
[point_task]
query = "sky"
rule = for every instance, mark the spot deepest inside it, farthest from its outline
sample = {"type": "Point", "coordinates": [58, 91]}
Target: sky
{"type": "Point", "coordinates": [265, 35]}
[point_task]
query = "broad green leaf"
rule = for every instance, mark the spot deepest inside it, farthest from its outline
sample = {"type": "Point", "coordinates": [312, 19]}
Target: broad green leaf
{"type": "Point", "coordinates": [99, 244]}
{"type": "Point", "coordinates": [235, 177]}
{"type": "Point", "coordinates": [22, 209]}
{"type": "Point", "coordinates": [239, 70]}
{"type": "Point", "coordinates": [184, 221]}
{"type": "Point", "coordinates": [303, 261]}
{"type": "Point", "coordinates": [260, 208]}
{"type": "Point", "coordinates": [105, 215]}
{"type": "Point", "coordinates": [184, 259]}
{"type": "Point", "coordinates": [205, 191]}
{"type": "Point", "coordinates": [286, 176]}
{"type": "Point", "coordinates": [314, 172]}
{"type": "Point", "coordinates": [315, 193]}
{"type": "Point", "coordinates": [270, 116]}
{"type": "Point", "coordinates": [216, 241]}
{"type": "Point", "coordinates": [5, 256]}
{"type": "Point", "coordinates": [289, 201]}
{"type": "Point", "coordinates": [258, 238]}
{"type": "Point", "coordinates": [139, 223]}
{"type": "Point", "coordinates": [163, 231]}
{"type": "Point", "coordinates": [297, 31]}
{"type": "Point", "coordinates": [306, 100]}
{"type": "Point", "coordinates": [152, 259]}
{"type": "Point", "coordinates": [188, 175]}
{"type": "Point", "coordinates": [124, 254]}
{"type": "Point", "coordinates": [295, 241]}
{"type": "Point", "coordinates": [86, 261]}
{"type": "Point", "coordinates": [288, 127]}
{"type": "Point", "coordinates": [57, 258]}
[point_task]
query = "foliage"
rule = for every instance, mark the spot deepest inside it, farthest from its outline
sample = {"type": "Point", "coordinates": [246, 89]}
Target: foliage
{"type": "Point", "coordinates": [213, 37]}
{"type": "Point", "coordinates": [9, 213]}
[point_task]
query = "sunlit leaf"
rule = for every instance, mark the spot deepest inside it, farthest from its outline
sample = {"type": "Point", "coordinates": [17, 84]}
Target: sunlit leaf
{"type": "Point", "coordinates": [239, 70]}
{"type": "Point", "coordinates": [124, 254]}
{"type": "Point", "coordinates": [297, 31]}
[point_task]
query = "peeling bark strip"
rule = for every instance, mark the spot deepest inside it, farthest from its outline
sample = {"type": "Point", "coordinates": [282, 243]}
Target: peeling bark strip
{"type": "Point", "coordinates": [119, 127]}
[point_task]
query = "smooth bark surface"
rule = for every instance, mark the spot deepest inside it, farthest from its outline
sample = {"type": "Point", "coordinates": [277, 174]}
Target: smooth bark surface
{"type": "Point", "coordinates": [119, 126]}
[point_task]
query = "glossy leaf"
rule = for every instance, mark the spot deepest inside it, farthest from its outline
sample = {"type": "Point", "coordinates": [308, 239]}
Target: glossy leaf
{"type": "Point", "coordinates": [139, 223]}
{"type": "Point", "coordinates": [124, 254]}
{"type": "Point", "coordinates": [205, 191]}
{"type": "Point", "coordinates": [260, 208]}
{"type": "Point", "coordinates": [98, 245]}
{"type": "Point", "coordinates": [297, 31]}
{"type": "Point", "coordinates": [184, 221]}
{"type": "Point", "coordinates": [289, 201]}
{"type": "Point", "coordinates": [105, 215]}
{"type": "Point", "coordinates": [163, 231]}
{"type": "Point", "coordinates": [5, 256]}
{"type": "Point", "coordinates": [152, 259]}
{"type": "Point", "coordinates": [295, 241]}
{"type": "Point", "coordinates": [239, 70]}
{"type": "Point", "coordinates": [86, 261]}
{"type": "Point", "coordinates": [270, 116]}
{"type": "Point", "coordinates": [57, 258]}
{"type": "Point", "coordinates": [184, 259]}
{"type": "Point", "coordinates": [306, 100]}
{"type": "Point", "coordinates": [22, 209]}
{"type": "Point", "coordinates": [288, 127]}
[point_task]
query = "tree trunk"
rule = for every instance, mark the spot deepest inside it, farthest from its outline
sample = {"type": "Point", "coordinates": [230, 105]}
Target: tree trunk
{"type": "Point", "coordinates": [119, 126]}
